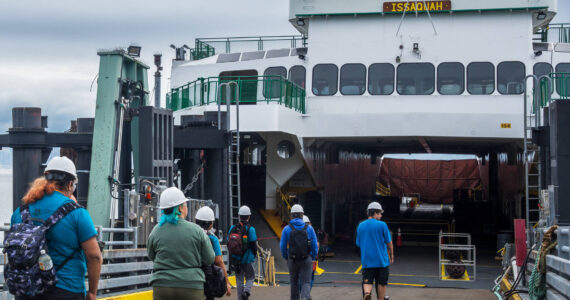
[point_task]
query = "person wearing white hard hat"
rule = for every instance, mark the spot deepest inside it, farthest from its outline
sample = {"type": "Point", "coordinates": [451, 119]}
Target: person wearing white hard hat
{"type": "Point", "coordinates": [205, 218]}
{"type": "Point", "coordinates": [376, 251]}
{"type": "Point", "coordinates": [242, 245]}
{"type": "Point", "coordinates": [178, 250]}
{"type": "Point", "coordinates": [300, 248]}
{"type": "Point", "coordinates": [71, 241]}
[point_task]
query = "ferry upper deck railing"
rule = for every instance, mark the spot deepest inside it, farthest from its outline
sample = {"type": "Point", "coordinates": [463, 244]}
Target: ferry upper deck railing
{"type": "Point", "coordinates": [556, 33]}
{"type": "Point", "coordinates": [206, 47]}
{"type": "Point", "coordinates": [253, 89]}
{"type": "Point", "coordinates": [558, 88]}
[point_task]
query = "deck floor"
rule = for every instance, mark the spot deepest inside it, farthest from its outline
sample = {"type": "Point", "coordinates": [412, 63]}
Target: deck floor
{"type": "Point", "coordinates": [354, 293]}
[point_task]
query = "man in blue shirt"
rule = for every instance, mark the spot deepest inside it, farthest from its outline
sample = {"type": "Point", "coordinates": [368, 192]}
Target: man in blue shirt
{"type": "Point", "coordinates": [376, 251]}
{"type": "Point", "coordinates": [244, 264]}
{"type": "Point", "coordinates": [302, 251]}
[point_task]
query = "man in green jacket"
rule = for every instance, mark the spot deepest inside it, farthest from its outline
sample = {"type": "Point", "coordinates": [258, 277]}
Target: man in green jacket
{"type": "Point", "coordinates": [178, 249]}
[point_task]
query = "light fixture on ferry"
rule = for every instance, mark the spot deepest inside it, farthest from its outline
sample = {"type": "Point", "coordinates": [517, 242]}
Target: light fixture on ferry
{"type": "Point", "coordinates": [300, 22]}
{"type": "Point", "coordinates": [541, 16]}
{"type": "Point", "coordinates": [134, 51]}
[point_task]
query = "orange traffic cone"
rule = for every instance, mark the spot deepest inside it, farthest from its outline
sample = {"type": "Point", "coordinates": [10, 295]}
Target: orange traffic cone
{"type": "Point", "coordinates": [399, 238]}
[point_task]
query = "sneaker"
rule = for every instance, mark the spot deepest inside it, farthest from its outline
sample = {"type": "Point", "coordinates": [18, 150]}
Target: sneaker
{"type": "Point", "coordinates": [245, 296]}
{"type": "Point", "coordinates": [386, 298]}
{"type": "Point", "coordinates": [367, 297]}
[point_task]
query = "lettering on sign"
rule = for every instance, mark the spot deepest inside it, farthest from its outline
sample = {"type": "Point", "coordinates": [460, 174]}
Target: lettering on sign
{"type": "Point", "coordinates": [506, 125]}
{"type": "Point", "coordinates": [414, 6]}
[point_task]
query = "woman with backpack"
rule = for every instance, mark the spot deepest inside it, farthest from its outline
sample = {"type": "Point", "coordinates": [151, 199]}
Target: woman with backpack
{"type": "Point", "coordinates": [205, 218]}
{"type": "Point", "coordinates": [178, 250]}
{"type": "Point", "coordinates": [59, 272]}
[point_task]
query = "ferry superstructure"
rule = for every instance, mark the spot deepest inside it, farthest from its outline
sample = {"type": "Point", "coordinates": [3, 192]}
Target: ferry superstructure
{"type": "Point", "coordinates": [379, 79]}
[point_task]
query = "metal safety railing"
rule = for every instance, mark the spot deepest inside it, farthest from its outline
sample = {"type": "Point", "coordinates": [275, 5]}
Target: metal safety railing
{"type": "Point", "coordinates": [206, 47]}
{"type": "Point", "coordinates": [253, 89]}
{"type": "Point", "coordinates": [131, 241]}
{"type": "Point", "coordinates": [457, 257]}
{"type": "Point", "coordinates": [556, 33]}
{"type": "Point", "coordinates": [555, 86]}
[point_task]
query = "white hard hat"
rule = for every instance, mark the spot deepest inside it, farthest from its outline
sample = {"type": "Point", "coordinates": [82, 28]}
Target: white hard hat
{"type": "Point", "coordinates": [205, 214]}
{"type": "Point", "coordinates": [62, 164]}
{"type": "Point", "coordinates": [297, 209]}
{"type": "Point", "coordinates": [375, 205]}
{"type": "Point", "coordinates": [244, 211]}
{"type": "Point", "coordinates": [306, 219]}
{"type": "Point", "coordinates": [171, 197]}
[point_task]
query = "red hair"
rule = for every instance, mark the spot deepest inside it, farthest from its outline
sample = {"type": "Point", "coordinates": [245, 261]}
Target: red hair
{"type": "Point", "coordinates": [39, 188]}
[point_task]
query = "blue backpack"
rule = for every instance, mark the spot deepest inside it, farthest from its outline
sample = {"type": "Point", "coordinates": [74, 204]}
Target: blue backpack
{"type": "Point", "coordinates": [22, 245]}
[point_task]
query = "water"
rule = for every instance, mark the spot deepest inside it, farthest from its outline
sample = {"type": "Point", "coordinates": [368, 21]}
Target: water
{"type": "Point", "coordinates": [5, 198]}
{"type": "Point", "coordinates": [5, 195]}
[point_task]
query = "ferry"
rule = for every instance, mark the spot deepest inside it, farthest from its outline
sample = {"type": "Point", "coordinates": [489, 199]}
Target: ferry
{"type": "Point", "coordinates": [317, 118]}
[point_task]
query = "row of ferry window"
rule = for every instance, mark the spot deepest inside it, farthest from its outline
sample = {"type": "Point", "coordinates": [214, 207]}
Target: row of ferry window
{"type": "Point", "coordinates": [416, 78]}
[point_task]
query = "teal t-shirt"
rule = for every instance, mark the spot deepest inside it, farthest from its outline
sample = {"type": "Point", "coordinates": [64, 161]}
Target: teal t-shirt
{"type": "Point", "coordinates": [248, 257]}
{"type": "Point", "coordinates": [372, 236]}
{"type": "Point", "coordinates": [64, 238]}
{"type": "Point", "coordinates": [215, 244]}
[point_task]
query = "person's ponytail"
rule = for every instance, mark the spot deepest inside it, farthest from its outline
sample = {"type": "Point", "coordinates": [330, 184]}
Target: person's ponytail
{"type": "Point", "coordinates": [39, 188]}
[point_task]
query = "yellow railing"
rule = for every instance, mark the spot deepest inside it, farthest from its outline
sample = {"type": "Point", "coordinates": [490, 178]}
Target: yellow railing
{"type": "Point", "coordinates": [382, 190]}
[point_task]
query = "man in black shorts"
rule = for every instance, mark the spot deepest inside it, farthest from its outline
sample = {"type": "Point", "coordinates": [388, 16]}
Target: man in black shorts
{"type": "Point", "coordinates": [376, 252]}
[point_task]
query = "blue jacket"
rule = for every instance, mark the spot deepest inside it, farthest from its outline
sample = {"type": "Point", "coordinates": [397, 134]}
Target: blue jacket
{"type": "Point", "coordinates": [298, 224]}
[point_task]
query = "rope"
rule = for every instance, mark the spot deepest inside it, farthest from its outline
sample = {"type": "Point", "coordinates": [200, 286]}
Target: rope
{"type": "Point", "coordinates": [537, 281]}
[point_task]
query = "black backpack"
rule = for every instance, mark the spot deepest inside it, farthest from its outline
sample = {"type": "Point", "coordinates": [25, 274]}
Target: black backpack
{"type": "Point", "coordinates": [215, 285]}
{"type": "Point", "coordinates": [299, 243]}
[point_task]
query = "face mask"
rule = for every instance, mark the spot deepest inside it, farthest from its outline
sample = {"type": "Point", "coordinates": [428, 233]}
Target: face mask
{"type": "Point", "coordinates": [74, 186]}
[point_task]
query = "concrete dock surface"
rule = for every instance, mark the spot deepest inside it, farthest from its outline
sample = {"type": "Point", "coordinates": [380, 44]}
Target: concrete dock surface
{"type": "Point", "coordinates": [354, 293]}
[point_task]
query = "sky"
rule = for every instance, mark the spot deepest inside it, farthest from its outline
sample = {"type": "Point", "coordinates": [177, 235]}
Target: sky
{"type": "Point", "coordinates": [48, 49]}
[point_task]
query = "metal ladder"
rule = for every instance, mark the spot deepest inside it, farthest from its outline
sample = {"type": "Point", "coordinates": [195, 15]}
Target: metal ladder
{"type": "Point", "coordinates": [234, 186]}
{"type": "Point", "coordinates": [532, 165]}
{"type": "Point", "coordinates": [233, 172]}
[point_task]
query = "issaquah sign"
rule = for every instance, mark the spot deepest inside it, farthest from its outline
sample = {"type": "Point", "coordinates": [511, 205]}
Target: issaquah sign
{"type": "Point", "coordinates": [416, 6]}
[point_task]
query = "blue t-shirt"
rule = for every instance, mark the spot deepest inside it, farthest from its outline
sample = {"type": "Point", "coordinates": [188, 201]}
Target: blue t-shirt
{"type": "Point", "coordinates": [215, 244]}
{"type": "Point", "coordinates": [372, 236]}
{"type": "Point", "coordinates": [64, 238]}
{"type": "Point", "coordinates": [248, 257]}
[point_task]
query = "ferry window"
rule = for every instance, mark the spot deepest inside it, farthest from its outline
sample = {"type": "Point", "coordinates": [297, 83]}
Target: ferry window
{"type": "Point", "coordinates": [248, 88]}
{"type": "Point", "coordinates": [510, 77]}
{"type": "Point", "coordinates": [416, 79]}
{"type": "Point", "coordinates": [297, 75]}
{"type": "Point", "coordinates": [480, 78]}
{"type": "Point", "coordinates": [228, 57]}
{"type": "Point", "coordinates": [325, 77]}
{"type": "Point", "coordinates": [451, 78]}
{"type": "Point", "coordinates": [541, 69]}
{"type": "Point", "coordinates": [272, 87]}
{"type": "Point", "coordinates": [352, 79]}
{"type": "Point", "coordinates": [252, 55]}
{"type": "Point", "coordinates": [381, 79]}
{"type": "Point", "coordinates": [563, 80]}
{"type": "Point", "coordinates": [277, 53]}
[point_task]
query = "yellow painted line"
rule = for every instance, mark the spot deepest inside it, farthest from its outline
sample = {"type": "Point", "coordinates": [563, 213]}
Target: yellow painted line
{"type": "Point", "coordinates": [273, 221]}
{"type": "Point", "coordinates": [146, 295]}
{"type": "Point", "coordinates": [343, 261]}
{"type": "Point", "coordinates": [407, 284]}
{"type": "Point", "coordinates": [358, 270]}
